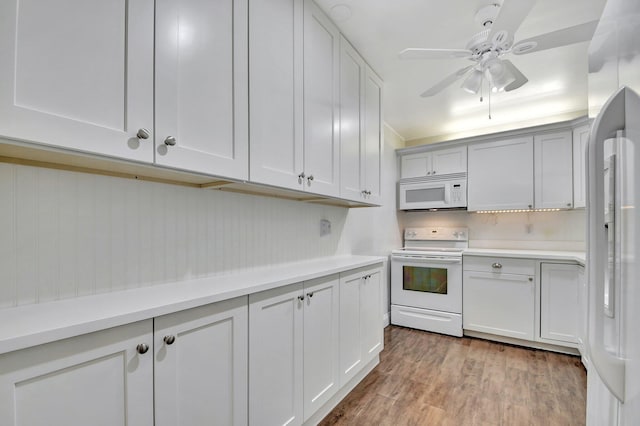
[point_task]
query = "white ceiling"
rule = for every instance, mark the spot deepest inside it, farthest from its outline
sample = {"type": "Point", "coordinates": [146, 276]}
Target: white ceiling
{"type": "Point", "coordinates": [379, 29]}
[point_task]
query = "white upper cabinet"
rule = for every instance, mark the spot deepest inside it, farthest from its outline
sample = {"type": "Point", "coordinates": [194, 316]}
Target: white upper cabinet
{"type": "Point", "coordinates": [78, 75]}
{"type": "Point", "coordinates": [439, 162]}
{"type": "Point", "coordinates": [201, 86]}
{"type": "Point", "coordinates": [321, 94]}
{"type": "Point", "coordinates": [275, 90]}
{"type": "Point", "coordinates": [553, 171]}
{"type": "Point", "coordinates": [352, 72]}
{"type": "Point", "coordinates": [360, 127]}
{"type": "Point", "coordinates": [372, 137]}
{"type": "Point", "coordinates": [500, 175]}
{"type": "Point", "coordinates": [580, 139]}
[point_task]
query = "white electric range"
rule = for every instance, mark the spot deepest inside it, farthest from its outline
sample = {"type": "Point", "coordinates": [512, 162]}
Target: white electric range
{"type": "Point", "coordinates": [426, 280]}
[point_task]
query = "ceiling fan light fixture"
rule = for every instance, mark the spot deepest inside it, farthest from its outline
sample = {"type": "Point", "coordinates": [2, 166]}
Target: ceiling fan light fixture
{"type": "Point", "coordinates": [499, 75]}
{"type": "Point", "coordinates": [473, 82]}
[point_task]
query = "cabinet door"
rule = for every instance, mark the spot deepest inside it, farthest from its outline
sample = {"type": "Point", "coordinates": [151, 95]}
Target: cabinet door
{"type": "Point", "coordinates": [275, 92]}
{"type": "Point", "coordinates": [372, 136]}
{"type": "Point", "coordinates": [94, 379]}
{"type": "Point", "coordinates": [361, 333]}
{"type": "Point", "coordinates": [321, 316]}
{"type": "Point", "coordinates": [371, 315]}
{"type": "Point", "coordinates": [201, 374]}
{"type": "Point", "coordinates": [78, 75]}
{"type": "Point", "coordinates": [321, 94]}
{"type": "Point", "coordinates": [559, 288]}
{"type": "Point", "coordinates": [275, 356]}
{"type": "Point", "coordinates": [553, 172]}
{"type": "Point", "coordinates": [351, 359]}
{"type": "Point", "coordinates": [448, 161]}
{"type": "Point", "coordinates": [415, 165]}
{"type": "Point", "coordinates": [351, 84]}
{"type": "Point", "coordinates": [501, 304]}
{"type": "Point", "coordinates": [201, 89]}
{"type": "Point", "coordinates": [500, 175]}
{"type": "Point", "coordinates": [580, 139]}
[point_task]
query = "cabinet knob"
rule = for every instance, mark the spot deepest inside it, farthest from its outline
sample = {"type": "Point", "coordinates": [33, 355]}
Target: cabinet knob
{"type": "Point", "coordinates": [434, 172]}
{"type": "Point", "coordinates": [310, 294]}
{"type": "Point", "coordinates": [428, 173]}
{"type": "Point", "coordinates": [143, 134]}
{"type": "Point", "coordinates": [301, 176]}
{"type": "Point", "coordinates": [530, 206]}
{"type": "Point", "coordinates": [301, 298]}
{"type": "Point", "coordinates": [530, 278]}
{"type": "Point", "coordinates": [496, 265]}
{"type": "Point", "coordinates": [169, 339]}
{"type": "Point", "coordinates": [568, 204]}
{"type": "Point", "coordinates": [170, 141]}
{"type": "Point", "coordinates": [142, 348]}
{"type": "Point", "coordinates": [309, 179]}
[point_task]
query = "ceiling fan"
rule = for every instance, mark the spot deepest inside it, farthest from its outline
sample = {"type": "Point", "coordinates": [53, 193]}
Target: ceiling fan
{"type": "Point", "coordinates": [488, 48]}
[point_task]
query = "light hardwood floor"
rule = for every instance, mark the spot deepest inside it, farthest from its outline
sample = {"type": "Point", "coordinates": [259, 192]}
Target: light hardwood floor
{"type": "Point", "coordinates": [431, 379]}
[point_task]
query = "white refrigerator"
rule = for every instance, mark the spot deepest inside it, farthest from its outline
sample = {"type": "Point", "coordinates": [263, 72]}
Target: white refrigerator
{"type": "Point", "coordinates": [613, 218]}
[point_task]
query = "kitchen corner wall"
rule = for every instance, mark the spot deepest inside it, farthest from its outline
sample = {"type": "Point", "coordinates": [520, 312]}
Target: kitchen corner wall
{"type": "Point", "coordinates": [562, 230]}
{"type": "Point", "coordinates": [66, 234]}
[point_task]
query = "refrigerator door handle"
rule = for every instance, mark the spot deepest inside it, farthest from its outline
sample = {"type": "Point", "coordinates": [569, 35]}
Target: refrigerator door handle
{"type": "Point", "coordinates": [609, 122]}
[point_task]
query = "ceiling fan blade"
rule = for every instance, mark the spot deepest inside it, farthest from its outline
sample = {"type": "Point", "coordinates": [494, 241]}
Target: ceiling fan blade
{"type": "Point", "coordinates": [511, 15]}
{"type": "Point", "coordinates": [446, 82]}
{"type": "Point", "coordinates": [563, 37]}
{"type": "Point", "coordinates": [520, 79]}
{"type": "Point", "coordinates": [418, 53]}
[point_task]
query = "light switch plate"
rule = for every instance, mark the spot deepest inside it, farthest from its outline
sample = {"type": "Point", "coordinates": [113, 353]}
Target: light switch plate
{"type": "Point", "coordinates": [325, 227]}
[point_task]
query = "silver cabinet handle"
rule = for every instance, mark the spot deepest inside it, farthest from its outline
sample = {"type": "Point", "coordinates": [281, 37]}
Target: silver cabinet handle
{"type": "Point", "coordinates": [368, 192]}
{"type": "Point", "coordinates": [169, 339]}
{"type": "Point", "coordinates": [301, 298]}
{"type": "Point", "coordinates": [143, 134]}
{"type": "Point", "coordinates": [170, 141]}
{"type": "Point", "coordinates": [301, 176]}
{"type": "Point", "coordinates": [310, 294]}
{"type": "Point", "coordinates": [309, 179]}
{"type": "Point", "coordinates": [142, 348]}
{"type": "Point", "coordinates": [496, 265]}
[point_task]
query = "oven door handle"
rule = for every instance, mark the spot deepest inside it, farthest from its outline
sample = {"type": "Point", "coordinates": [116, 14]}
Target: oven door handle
{"type": "Point", "coordinates": [428, 259]}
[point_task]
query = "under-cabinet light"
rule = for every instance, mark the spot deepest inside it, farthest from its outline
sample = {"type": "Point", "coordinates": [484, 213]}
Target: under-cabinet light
{"type": "Point", "coordinates": [518, 211]}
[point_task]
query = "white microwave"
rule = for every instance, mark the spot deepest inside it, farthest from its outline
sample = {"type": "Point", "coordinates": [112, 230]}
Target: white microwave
{"type": "Point", "coordinates": [433, 193]}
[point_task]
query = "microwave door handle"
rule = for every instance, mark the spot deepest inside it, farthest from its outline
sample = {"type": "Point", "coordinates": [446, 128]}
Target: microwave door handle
{"type": "Point", "coordinates": [447, 193]}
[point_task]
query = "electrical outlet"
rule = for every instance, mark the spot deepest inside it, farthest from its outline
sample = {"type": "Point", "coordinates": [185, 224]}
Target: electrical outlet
{"type": "Point", "coordinates": [325, 227]}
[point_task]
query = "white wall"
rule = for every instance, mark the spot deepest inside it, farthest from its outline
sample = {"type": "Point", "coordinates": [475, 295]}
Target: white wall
{"type": "Point", "coordinates": [376, 231]}
{"type": "Point", "coordinates": [563, 230]}
{"type": "Point", "coordinates": [67, 234]}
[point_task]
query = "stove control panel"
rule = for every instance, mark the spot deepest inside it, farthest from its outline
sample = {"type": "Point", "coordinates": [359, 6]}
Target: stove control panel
{"type": "Point", "coordinates": [436, 234]}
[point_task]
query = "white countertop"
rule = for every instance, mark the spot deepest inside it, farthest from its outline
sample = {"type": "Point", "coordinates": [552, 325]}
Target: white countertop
{"type": "Point", "coordinates": [576, 256]}
{"type": "Point", "coordinates": [32, 325]}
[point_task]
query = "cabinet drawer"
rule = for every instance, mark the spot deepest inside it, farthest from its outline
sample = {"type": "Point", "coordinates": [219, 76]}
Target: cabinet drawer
{"type": "Point", "coordinates": [501, 265]}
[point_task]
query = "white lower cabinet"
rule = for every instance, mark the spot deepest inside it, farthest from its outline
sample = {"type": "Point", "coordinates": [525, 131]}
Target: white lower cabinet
{"type": "Point", "coordinates": [293, 356]}
{"type": "Point", "coordinates": [559, 302]}
{"type": "Point", "coordinates": [361, 333]}
{"type": "Point", "coordinates": [499, 297]}
{"type": "Point", "coordinates": [95, 379]}
{"type": "Point", "coordinates": [194, 364]}
{"type": "Point", "coordinates": [201, 365]}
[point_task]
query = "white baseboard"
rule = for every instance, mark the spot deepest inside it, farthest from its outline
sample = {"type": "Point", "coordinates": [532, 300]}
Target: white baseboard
{"type": "Point", "coordinates": [386, 320]}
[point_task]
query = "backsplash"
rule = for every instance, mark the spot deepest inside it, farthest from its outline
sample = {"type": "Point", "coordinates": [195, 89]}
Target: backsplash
{"type": "Point", "coordinates": [67, 234]}
{"type": "Point", "coordinates": [562, 230]}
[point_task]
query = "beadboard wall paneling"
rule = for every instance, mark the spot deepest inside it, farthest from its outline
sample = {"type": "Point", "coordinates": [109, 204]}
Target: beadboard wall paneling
{"type": "Point", "coordinates": [67, 234]}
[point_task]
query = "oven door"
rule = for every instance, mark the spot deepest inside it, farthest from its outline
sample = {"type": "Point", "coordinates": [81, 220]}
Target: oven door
{"type": "Point", "coordinates": [428, 283]}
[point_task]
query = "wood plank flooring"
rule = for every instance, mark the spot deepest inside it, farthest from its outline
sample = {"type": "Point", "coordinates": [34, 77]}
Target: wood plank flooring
{"type": "Point", "coordinates": [431, 379]}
